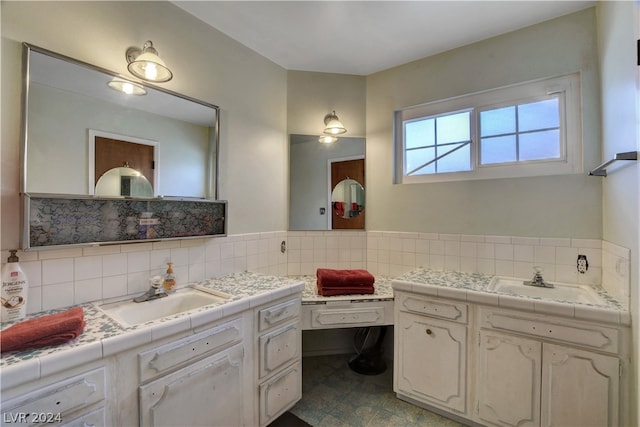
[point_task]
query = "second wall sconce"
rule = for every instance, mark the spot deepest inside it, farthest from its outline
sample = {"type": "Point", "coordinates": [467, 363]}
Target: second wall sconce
{"type": "Point", "coordinates": [146, 64]}
{"type": "Point", "coordinates": [333, 125]}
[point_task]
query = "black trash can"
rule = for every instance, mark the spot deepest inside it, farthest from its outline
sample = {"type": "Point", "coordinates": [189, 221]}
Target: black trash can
{"type": "Point", "coordinates": [368, 359]}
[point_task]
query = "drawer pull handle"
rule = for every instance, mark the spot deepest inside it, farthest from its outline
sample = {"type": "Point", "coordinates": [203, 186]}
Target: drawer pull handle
{"type": "Point", "coordinates": [429, 331]}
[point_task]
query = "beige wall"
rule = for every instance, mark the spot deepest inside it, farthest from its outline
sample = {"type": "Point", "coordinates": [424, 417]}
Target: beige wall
{"type": "Point", "coordinates": [312, 95]}
{"type": "Point", "coordinates": [207, 65]}
{"type": "Point", "coordinates": [619, 28]}
{"type": "Point", "coordinates": [555, 206]}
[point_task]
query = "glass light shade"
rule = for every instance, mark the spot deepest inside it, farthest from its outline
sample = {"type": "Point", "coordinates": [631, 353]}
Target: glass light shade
{"type": "Point", "coordinates": [150, 67]}
{"type": "Point", "coordinates": [327, 139]}
{"type": "Point", "coordinates": [130, 88]}
{"type": "Point", "coordinates": [147, 65]}
{"type": "Point", "coordinates": [333, 125]}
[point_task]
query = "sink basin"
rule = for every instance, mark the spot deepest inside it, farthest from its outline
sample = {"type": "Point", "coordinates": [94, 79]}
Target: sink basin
{"type": "Point", "coordinates": [129, 313]}
{"type": "Point", "coordinates": [560, 292]}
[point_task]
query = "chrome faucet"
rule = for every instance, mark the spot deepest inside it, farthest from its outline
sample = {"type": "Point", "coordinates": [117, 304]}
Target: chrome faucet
{"type": "Point", "coordinates": [154, 291]}
{"type": "Point", "coordinates": [537, 279]}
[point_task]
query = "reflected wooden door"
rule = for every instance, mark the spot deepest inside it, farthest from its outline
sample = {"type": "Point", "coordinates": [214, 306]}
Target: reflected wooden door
{"type": "Point", "coordinates": [114, 153]}
{"type": "Point", "coordinates": [353, 169]}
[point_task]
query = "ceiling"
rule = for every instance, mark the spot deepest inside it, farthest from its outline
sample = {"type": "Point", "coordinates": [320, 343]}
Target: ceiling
{"type": "Point", "coordinates": [364, 37]}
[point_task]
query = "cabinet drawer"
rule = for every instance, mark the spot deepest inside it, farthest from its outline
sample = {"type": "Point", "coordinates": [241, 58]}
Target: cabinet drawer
{"type": "Point", "coordinates": [583, 334]}
{"type": "Point", "coordinates": [280, 393]}
{"type": "Point", "coordinates": [279, 348]}
{"type": "Point", "coordinates": [277, 314]}
{"type": "Point", "coordinates": [61, 398]}
{"type": "Point", "coordinates": [161, 359]}
{"type": "Point", "coordinates": [326, 317]}
{"type": "Point", "coordinates": [449, 310]}
{"type": "Point", "coordinates": [89, 419]}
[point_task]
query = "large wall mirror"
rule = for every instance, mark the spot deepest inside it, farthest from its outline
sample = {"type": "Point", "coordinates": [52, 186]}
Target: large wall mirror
{"type": "Point", "coordinates": [83, 123]}
{"type": "Point", "coordinates": [312, 199]}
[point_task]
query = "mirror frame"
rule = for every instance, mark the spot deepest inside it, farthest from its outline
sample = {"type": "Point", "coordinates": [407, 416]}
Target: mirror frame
{"type": "Point", "coordinates": [210, 188]}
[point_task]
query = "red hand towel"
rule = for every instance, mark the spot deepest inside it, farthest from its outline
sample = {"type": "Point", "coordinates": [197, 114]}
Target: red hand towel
{"type": "Point", "coordinates": [329, 277]}
{"type": "Point", "coordinates": [43, 331]}
{"type": "Point", "coordinates": [327, 291]}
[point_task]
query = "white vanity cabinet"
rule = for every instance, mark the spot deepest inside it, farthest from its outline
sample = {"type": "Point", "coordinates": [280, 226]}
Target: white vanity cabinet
{"type": "Point", "coordinates": [279, 365]}
{"type": "Point", "coordinates": [77, 399]}
{"type": "Point", "coordinates": [545, 371]}
{"type": "Point", "coordinates": [431, 345]}
{"type": "Point", "coordinates": [495, 366]}
{"type": "Point", "coordinates": [197, 380]}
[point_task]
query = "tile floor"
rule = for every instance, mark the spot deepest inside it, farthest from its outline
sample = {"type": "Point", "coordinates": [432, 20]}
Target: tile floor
{"type": "Point", "coordinates": [333, 396]}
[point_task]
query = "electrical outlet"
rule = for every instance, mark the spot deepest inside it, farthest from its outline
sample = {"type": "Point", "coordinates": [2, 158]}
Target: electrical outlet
{"type": "Point", "coordinates": [583, 264]}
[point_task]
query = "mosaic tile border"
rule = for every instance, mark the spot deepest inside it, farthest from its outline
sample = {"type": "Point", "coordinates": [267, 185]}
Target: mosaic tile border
{"type": "Point", "coordinates": [63, 221]}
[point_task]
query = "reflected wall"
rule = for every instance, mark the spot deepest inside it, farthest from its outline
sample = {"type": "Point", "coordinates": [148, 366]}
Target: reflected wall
{"type": "Point", "coordinates": [309, 181]}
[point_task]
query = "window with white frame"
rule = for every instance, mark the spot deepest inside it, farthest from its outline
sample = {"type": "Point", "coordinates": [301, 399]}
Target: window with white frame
{"type": "Point", "coordinates": [528, 129]}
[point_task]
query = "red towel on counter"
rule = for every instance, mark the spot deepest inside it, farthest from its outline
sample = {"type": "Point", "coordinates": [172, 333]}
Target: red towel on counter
{"type": "Point", "coordinates": [344, 282]}
{"type": "Point", "coordinates": [329, 277]}
{"type": "Point", "coordinates": [44, 331]}
{"type": "Point", "coordinates": [327, 291]}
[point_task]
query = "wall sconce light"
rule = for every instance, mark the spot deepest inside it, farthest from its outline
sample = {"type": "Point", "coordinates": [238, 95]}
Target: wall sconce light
{"type": "Point", "coordinates": [327, 139]}
{"type": "Point", "coordinates": [333, 125]}
{"type": "Point", "coordinates": [146, 64]}
{"type": "Point", "coordinates": [130, 88]}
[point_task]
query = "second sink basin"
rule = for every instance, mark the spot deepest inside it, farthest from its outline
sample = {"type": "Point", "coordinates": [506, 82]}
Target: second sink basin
{"type": "Point", "coordinates": [560, 292]}
{"type": "Point", "coordinates": [129, 313]}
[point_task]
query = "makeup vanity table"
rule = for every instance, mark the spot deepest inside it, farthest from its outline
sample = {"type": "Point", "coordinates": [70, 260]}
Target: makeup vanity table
{"type": "Point", "coordinates": [346, 311]}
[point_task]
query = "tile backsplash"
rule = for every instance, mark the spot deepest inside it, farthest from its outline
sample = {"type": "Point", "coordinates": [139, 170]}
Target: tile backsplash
{"type": "Point", "coordinates": [60, 278]}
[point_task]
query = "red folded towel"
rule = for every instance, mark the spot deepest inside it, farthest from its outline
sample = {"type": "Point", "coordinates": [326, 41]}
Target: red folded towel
{"type": "Point", "coordinates": [327, 291]}
{"type": "Point", "coordinates": [329, 277]}
{"type": "Point", "coordinates": [43, 331]}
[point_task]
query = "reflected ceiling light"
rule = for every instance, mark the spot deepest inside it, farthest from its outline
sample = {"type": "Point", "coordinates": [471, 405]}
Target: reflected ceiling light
{"type": "Point", "coordinates": [130, 88]}
{"type": "Point", "coordinates": [327, 139]}
{"type": "Point", "coordinates": [147, 65]}
{"type": "Point", "coordinates": [333, 125]}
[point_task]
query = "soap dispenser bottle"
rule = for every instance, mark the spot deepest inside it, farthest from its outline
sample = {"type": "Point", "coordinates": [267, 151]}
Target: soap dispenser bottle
{"type": "Point", "coordinates": [169, 278]}
{"type": "Point", "coordinates": [14, 290]}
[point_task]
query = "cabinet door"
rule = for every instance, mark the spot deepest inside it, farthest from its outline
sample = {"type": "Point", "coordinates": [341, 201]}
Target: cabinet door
{"type": "Point", "coordinates": [509, 380]}
{"type": "Point", "coordinates": [579, 388]}
{"type": "Point", "coordinates": [431, 362]}
{"type": "Point", "coordinates": [207, 393]}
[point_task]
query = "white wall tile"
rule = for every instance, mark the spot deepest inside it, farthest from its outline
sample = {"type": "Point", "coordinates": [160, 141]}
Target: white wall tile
{"type": "Point", "coordinates": [87, 290]}
{"type": "Point", "coordinates": [114, 265]}
{"type": "Point", "coordinates": [57, 296]}
{"type": "Point", "coordinates": [114, 286]}
{"type": "Point", "coordinates": [57, 271]}
{"type": "Point", "coordinates": [504, 252]}
{"type": "Point", "coordinates": [87, 267]}
{"type": "Point", "coordinates": [158, 259]}
{"type": "Point", "coordinates": [137, 262]}
{"type": "Point", "coordinates": [33, 271]}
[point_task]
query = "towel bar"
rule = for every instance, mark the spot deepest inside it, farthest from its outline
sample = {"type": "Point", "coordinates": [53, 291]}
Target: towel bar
{"type": "Point", "coordinates": [602, 169]}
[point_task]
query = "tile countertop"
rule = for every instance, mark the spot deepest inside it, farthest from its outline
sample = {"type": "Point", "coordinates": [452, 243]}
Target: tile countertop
{"type": "Point", "coordinates": [103, 336]}
{"type": "Point", "coordinates": [472, 287]}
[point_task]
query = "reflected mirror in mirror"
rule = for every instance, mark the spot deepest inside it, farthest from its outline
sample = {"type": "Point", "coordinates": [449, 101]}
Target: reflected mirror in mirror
{"type": "Point", "coordinates": [123, 181]}
{"type": "Point", "coordinates": [66, 99]}
{"type": "Point", "coordinates": [310, 178]}
{"type": "Point", "coordinates": [347, 199]}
